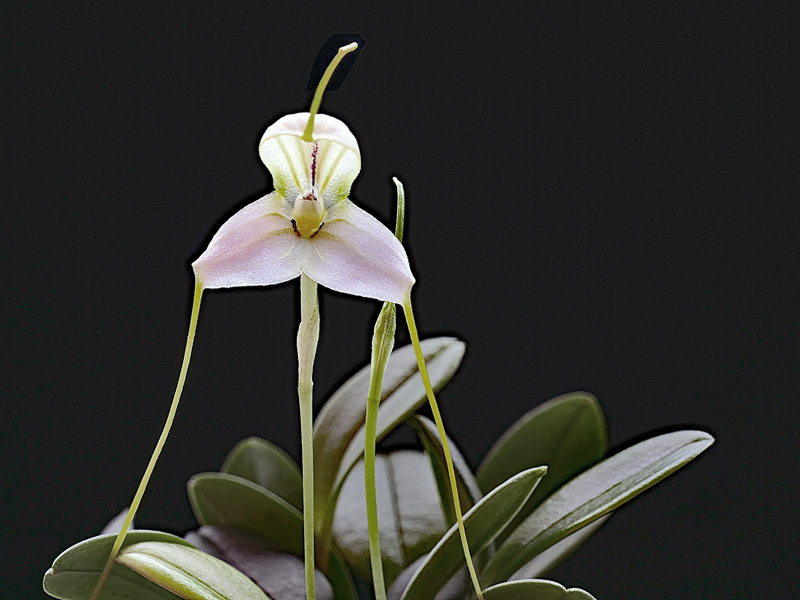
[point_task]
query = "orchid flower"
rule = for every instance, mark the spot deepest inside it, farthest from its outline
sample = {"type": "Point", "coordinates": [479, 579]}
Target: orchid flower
{"type": "Point", "coordinates": [308, 228]}
{"type": "Point", "coordinates": [308, 225]}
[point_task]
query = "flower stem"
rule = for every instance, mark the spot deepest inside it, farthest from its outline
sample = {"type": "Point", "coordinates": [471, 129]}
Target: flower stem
{"type": "Point", "coordinates": [323, 83]}
{"type": "Point", "coordinates": [307, 338]}
{"type": "Point", "coordinates": [437, 417]}
{"type": "Point", "coordinates": [382, 344]}
{"type": "Point", "coordinates": [137, 498]}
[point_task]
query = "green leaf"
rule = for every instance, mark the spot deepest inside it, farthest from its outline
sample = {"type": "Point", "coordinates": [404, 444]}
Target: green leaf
{"type": "Point", "coordinates": [280, 575]}
{"type": "Point", "coordinates": [264, 463]}
{"type": "Point", "coordinates": [468, 490]}
{"type": "Point", "coordinates": [410, 517]}
{"type": "Point", "coordinates": [230, 501]}
{"type": "Point", "coordinates": [592, 494]}
{"type": "Point", "coordinates": [459, 585]}
{"type": "Point", "coordinates": [534, 589]}
{"type": "Point", "coordinates": [339, 427]}
{"type": "Point", "coordinates": [482, 523]}
{"type": "Point", "coordinates": [567, 433]}
{"type": "Point", "coordinates": [76, 570]}
{"type": "Point", "coordinates": [548, 560]}
{"type": "Point", "coordinates": [188, 572]}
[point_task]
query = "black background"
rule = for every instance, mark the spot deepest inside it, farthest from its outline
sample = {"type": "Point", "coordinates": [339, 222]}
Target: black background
{"type": "Point", "coordinates": [601, 196]}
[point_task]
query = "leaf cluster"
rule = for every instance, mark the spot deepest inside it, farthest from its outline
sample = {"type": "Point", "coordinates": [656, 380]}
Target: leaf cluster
{"type": "Point", "coordinates": [542, 490]}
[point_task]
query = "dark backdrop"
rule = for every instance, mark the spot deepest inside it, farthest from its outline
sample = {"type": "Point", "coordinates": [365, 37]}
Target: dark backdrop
{"type": "Point", "coordinates": [602, 196]}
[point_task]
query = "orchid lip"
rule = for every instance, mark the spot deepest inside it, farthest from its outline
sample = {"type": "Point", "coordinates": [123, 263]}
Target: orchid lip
{"type": "Point", "coordinates": [307, 215]}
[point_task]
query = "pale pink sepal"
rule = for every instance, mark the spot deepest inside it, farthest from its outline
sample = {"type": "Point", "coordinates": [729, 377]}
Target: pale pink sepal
{"type": "Point", "coordinates": [357, 254]}
{"type": "Point", "coordinates": [254, 247]}
{"type": "Point", "coordinates": [353, 252]}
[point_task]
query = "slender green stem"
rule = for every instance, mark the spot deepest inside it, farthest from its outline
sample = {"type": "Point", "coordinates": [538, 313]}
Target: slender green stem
{"type": "Point", "coordinates": [382, 344]}
{"type": "Point", "coordinates": [323, 83]}
{"type": "Point", "coordinates": [307, 338]}
{"type": "Point", "coordinates": [176, 398]}
{"type": "Point", "coordinates": [437, 417]}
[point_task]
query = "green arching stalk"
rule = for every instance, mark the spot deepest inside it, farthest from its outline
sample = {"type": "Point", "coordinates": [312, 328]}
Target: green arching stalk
{"type": "Point", "coordinates": [307, 338]}
{"type": "Point", "coordinates": [323, 83]}
{"type": "Point", "coordinates": [437, 417]}
{"type": "Point", "coordinates": [176, 398]}
{"type": "Point", "coordinates": [382, 345]}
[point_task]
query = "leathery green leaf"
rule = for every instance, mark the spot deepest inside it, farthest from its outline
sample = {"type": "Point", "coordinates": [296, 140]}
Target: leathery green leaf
{"type": "Point", "coordinates": [548, 560]}
{"type": "Point", "coordinates": [534, 589]}
{"type": "Point", "coordinates": [279, 574]}
{"type": "Point", "coordinates": [482, 523]}
{"type": "Point", "coordinates": [567, 433]}
{"type": "Point", "coordinates": [188, 572]}
{"type": "Point", "coordinates": [339, 427]}
{"type": "Point", "coordinates": [458, 586]}
{"type": "Point", "coordinates": [76, 570]}
{"type": "Point", "coordinates": [594, 493]}
{"type": "Point", "coordinates": [468, 491]}
{"type": "Point", "coordinates": [410, 514]}
{"type": "Point", "coordinates": [264, 463]}
{"type": "Point", "coordinates": [230, 501]}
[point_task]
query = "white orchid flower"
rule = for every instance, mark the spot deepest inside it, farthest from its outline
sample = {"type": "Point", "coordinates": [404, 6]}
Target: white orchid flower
{"type": "Point", "coordinates": [306, 228]}
{"type": "Point", "coordinates": [308, 224]}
